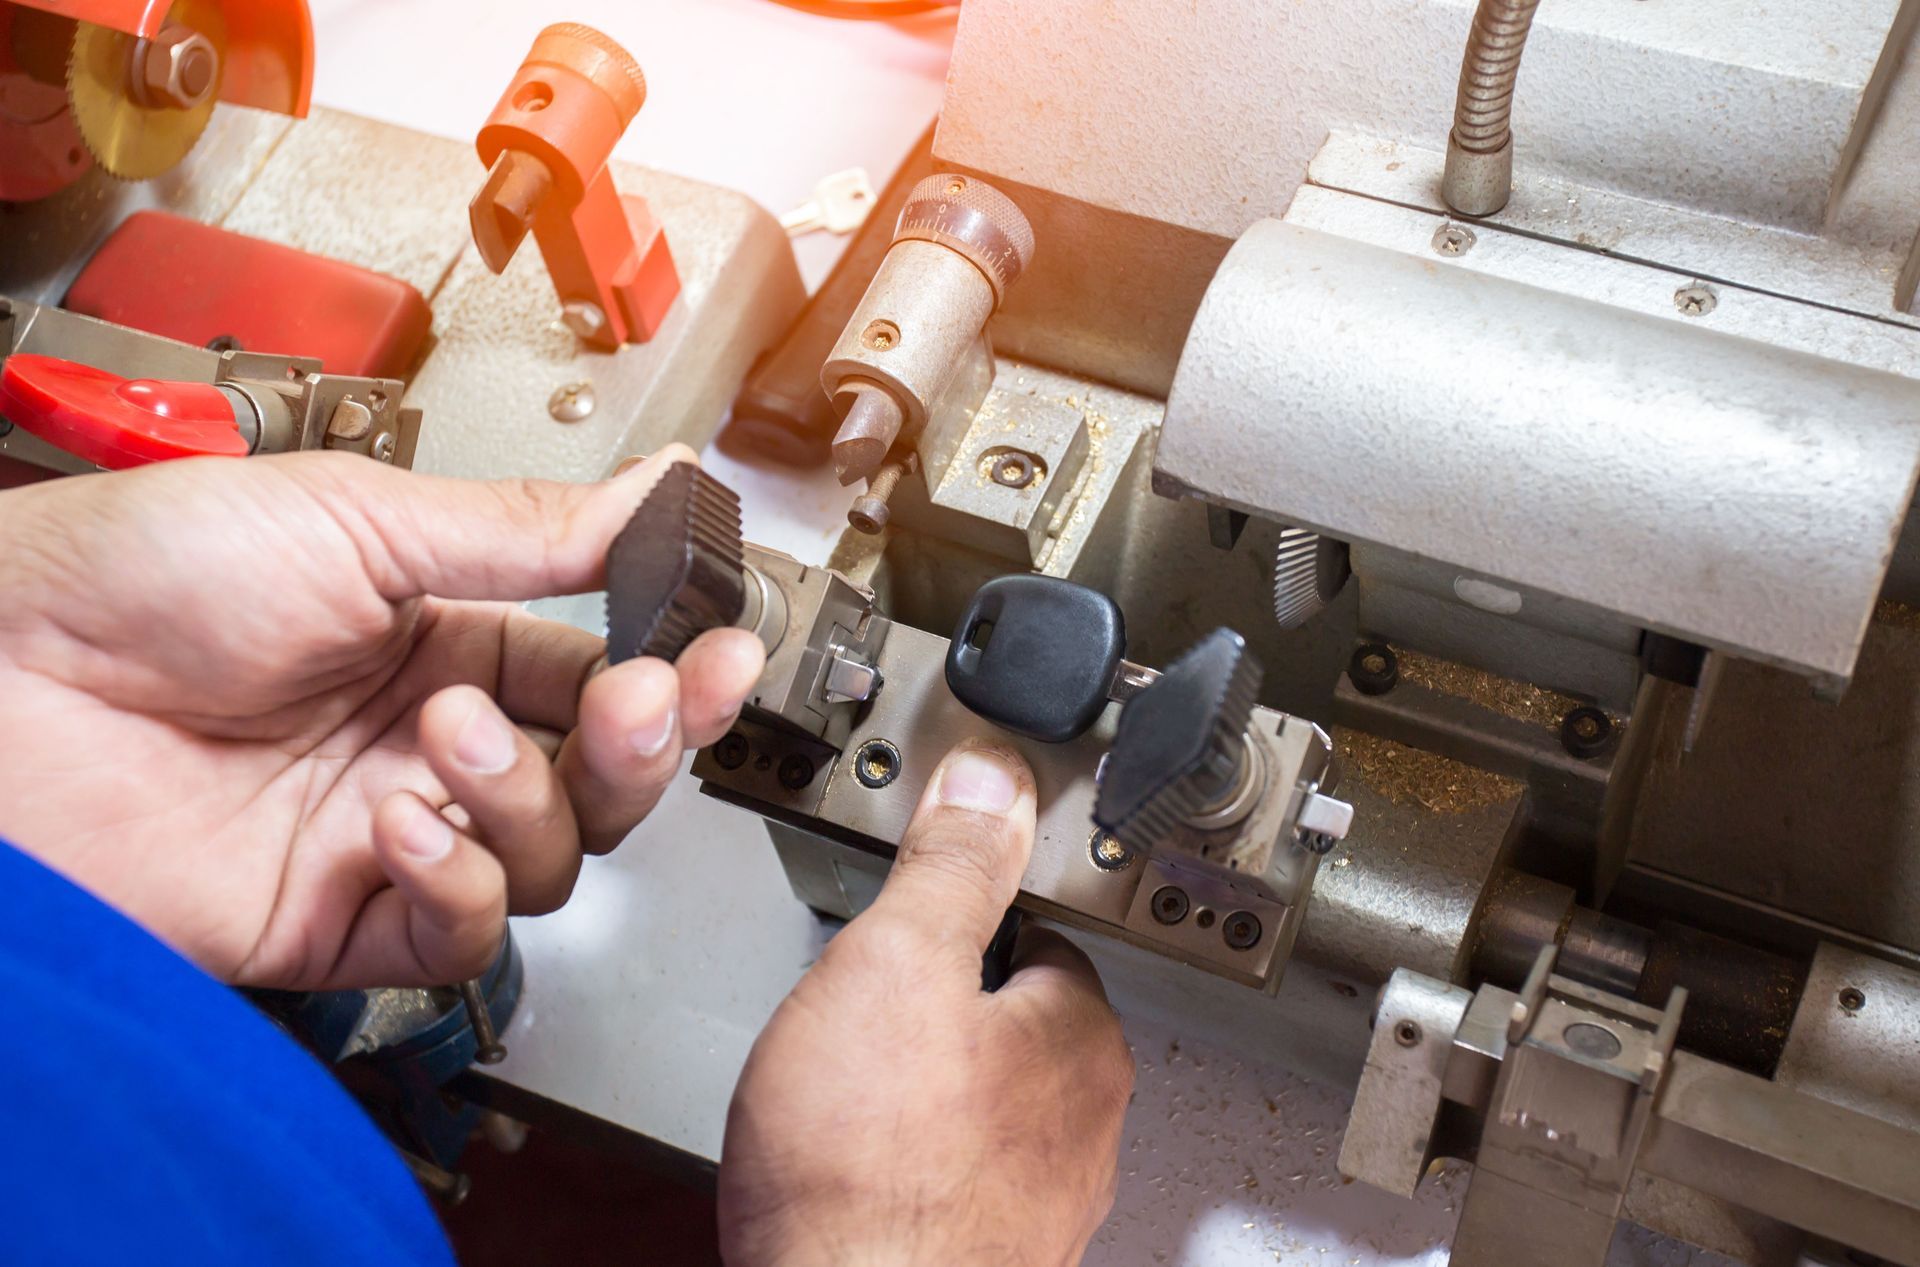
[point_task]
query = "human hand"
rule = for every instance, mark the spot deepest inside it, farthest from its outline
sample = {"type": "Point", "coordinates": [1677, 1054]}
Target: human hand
{"type": "Point", "coordinates": [892, 1112]}
{"type": "Point", "coordinates": [258, 706]}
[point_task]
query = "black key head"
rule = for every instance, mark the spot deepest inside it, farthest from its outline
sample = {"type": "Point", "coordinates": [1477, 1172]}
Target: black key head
{"type": "Point", "coordinates": [1037, 655]}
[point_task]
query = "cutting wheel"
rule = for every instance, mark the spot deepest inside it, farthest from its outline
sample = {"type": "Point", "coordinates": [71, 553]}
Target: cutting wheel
{"type": "Point", "coordinates": [128, 139]}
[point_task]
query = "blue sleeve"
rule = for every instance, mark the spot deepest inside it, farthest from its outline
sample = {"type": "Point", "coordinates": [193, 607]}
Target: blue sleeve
{"type": "Point", "coordinates": [152, 1115]}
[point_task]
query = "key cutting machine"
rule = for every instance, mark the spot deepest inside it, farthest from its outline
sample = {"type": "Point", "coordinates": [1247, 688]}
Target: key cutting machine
{"type": "Point", "coordinates": [1426, 483]}
{"type": "Point", "coordinates": [1428, 486]}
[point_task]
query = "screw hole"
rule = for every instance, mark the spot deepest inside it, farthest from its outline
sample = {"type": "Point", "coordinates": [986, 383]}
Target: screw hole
{"type": "Point", "coordinates": [533, 97]}
{"type": "Point", "coordinates": [876, 763]}
{"type": "Point", "coordinates": [1586, 732]}
{"type": "Point", "coordinates": [731, 752]}
{"type": "Point", "coordinates": [1852, 999]}
{"type": "Point", "coordinates": [1374, 669]}
{"type": "Point", "coordinates": [1241, 930]}
{"type": "Point", "coordinates": [881, 335]}
{"type": "Point", "coordinates": [1012, 468]}
{"type": "Point", "coordinates": [1109, 854]}
{"type": "Point", "coordinates": [1407, 1033]}
{"type": "Point", "coordinates": [1696, 300]}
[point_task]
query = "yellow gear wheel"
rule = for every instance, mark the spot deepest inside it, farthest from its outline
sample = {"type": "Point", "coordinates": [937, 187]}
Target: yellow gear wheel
{"type": "Point", "coordinates": [129, 138]}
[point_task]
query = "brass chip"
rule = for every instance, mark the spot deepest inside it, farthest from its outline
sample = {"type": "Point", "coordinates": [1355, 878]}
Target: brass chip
{"type": "Point", "coordinates": [1408, 776]}
{"type": "Point", "coordinates": [1519, 700]}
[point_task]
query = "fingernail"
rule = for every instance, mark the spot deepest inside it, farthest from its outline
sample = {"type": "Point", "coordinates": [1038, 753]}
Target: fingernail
{"type": "Point", "coordinates": [426, 835]}
{"type": "Point", "coordinates": [979, 780]}
{"type": "Point", "coordinates": [485, 745]}
{"type": "Point", "coordinates": [651, 738]}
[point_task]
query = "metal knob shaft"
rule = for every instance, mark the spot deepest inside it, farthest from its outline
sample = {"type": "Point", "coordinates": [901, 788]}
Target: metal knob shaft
{"type": "Point", "coordinates": [958, 248]}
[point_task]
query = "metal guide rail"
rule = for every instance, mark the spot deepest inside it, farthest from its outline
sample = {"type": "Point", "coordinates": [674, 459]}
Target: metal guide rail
{"type": "Point", "coordinates": [1562, 1094]}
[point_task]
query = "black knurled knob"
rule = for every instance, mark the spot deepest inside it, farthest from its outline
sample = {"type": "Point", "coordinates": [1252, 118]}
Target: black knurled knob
{"type": "Point", "coordinates": [1180, 743]}
{"type": "Point", "coordinates": [677, 569]}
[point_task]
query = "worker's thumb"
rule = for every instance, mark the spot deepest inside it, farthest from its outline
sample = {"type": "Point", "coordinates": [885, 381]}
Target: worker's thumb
{"type": "Point", "coordinates": [962, 856]}
{"type": "Point", "coordinates": [482, 539]}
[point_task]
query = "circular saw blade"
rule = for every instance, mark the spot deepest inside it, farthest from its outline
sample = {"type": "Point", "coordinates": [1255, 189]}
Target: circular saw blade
{"type": "Point", "coordinates": [128, 139]}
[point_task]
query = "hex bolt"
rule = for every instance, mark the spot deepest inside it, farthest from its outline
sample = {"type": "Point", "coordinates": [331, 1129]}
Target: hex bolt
{"type": "Point", "coordinates": [1241, 930]}
{"type": "Point", "coordinates": [1170, 905]}
{"type": "Point", "coordinates": [871, 512]}
{"type": "Point", "coordinates": [1586, 732]}
{"type": "Point", "coordinates": [583, 318]}
{"type": "Point", "coordinates": [571, 402]}
{"type": "Point", "coordinates": [180, 69]}
{"type": "Point", "coordinates": [1407, 1033]}
{"type": "Point", "coordinates": [1374, 669]}
{"type": "Point", "coordinates": [796, 771]}
{"type": "Point", "coordinates": [876, 763]}
{"type": "Point", "coordinates": [487, 1048]}
{"type": "Point", "coordinates": [1108, 853]}
{"type": "Point", "coordinates": [731, 752]}
{"type": "Point", "coordinates": [1454, 239]}
{"type": "Point", "coordinates": [1696, 300]}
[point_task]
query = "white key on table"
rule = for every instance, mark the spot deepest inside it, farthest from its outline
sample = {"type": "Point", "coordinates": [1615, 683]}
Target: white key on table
{"type": "Point", "coordinates": [840, 204]}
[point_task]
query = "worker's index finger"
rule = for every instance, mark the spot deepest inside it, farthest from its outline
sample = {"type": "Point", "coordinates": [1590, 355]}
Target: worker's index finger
{"type": "Point", "coordinates": [962, 857]}
{"type": "Point", "coordinates": [482, 539]}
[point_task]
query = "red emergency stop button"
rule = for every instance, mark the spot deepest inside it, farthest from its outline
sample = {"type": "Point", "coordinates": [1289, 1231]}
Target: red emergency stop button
{"type": "Point", "coordinates": [117, 422]}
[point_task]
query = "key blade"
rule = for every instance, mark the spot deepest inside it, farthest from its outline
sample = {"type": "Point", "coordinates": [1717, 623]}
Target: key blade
{"type": "Point", "coordinates": [846, 200]}
{"type": "Point", "coordinates": [1129, 680]}
{"type": "Point", "coordinates": [804, 218]}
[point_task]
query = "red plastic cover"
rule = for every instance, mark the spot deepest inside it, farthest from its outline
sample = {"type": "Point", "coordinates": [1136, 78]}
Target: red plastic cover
{"type": "Point", "coordinates": [196, 283]}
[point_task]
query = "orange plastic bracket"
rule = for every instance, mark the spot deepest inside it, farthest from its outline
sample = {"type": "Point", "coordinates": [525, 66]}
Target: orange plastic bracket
{"type": "Point", "coordinates": [546, 148]}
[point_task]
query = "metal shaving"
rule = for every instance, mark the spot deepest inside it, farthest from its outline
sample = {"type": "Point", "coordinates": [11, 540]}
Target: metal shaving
{"type": "Point", "coordinates": [1899, 615]}
{"type": "Point", "coordinates": [1408, 776]}
{"type": "Point", "coordinates": [1519, 700]}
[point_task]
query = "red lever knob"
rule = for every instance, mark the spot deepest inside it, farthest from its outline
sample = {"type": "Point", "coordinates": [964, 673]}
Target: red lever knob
{"type": "Point", "coordinates": [117, 422]}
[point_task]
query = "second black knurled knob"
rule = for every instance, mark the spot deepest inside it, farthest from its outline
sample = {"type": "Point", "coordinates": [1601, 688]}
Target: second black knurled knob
{"type": "Point", "coordinates": [1179, 749]}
